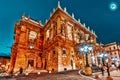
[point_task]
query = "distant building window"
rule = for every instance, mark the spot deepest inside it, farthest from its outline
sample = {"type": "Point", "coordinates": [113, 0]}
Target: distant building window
{"type": "Point", "coordinates": [114, 47]}
{"type": "Point", "coordinates": [110, 48]}
{"type": "Point", "coordinates": [54, 52]}
{"type": "Point", "coordinates": [65, 69]}
{"type": "Point", "coordinates": [64, 52]}
{"type": "Point", "coordinates": [40, 54]}
{"type": "Point", "coordinates": [115, 53]}
{"type": "Point", "coordinates": [110, 53]}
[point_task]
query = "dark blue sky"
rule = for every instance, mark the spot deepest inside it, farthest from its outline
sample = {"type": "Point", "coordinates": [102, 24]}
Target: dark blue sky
{"type": "Point", "coordinates": [95, 13]}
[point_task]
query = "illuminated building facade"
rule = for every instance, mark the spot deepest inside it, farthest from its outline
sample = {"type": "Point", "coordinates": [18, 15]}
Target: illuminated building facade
{"type": "Point", "coordinates": [28, 45]}
{"type": "Point", "coordinates": [51, 46]}
{"type": "Point", "coordinates": [114, 51]}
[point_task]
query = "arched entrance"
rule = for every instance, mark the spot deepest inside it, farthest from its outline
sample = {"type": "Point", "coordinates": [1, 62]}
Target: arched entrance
{"type": "Point", "coordinates": [31, 61]}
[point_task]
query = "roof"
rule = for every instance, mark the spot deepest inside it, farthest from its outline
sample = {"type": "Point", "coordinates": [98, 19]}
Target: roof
{"type": "Point", "coordinates": [28, 19]}
{"type": "Point", "coordinates": [72, 18]}
{"type": "Point", "coordinates": [113, 43]}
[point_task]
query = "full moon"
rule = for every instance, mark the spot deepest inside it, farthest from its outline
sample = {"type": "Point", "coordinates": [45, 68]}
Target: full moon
{"type": "Point", "coordinates": [113, 6]}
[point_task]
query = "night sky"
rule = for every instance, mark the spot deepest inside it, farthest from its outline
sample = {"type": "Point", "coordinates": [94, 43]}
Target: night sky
{"type": "Point", "coordinates": [103, 16]}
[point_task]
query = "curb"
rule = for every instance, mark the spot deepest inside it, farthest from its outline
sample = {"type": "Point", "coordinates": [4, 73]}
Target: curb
{"type": "Point", "coordinates": [86, 76]}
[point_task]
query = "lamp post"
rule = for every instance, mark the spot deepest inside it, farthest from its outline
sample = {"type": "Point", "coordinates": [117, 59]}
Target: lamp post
{"type": "Point", "coordinates": [86, 48]}
{"type": "Point", "coordinates": [114, 61]}
{"type": "Point", "coordinates": [104, 55]}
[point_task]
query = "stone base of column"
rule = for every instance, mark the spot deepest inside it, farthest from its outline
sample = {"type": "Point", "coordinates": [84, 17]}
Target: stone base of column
{"type": "Point", "coordinates": [109, 78]}
{"type": "Point", "coordinates": [88, 71]}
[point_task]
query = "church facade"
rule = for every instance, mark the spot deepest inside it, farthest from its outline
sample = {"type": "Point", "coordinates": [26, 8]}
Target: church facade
{"type": "Point", "coordinates": [28, 45]}
{"type": "Point", "coordinates": [51, 46]}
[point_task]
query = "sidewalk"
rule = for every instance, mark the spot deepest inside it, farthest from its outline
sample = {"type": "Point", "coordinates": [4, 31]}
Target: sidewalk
{"type": "Point", "coordinates": [114, 74]}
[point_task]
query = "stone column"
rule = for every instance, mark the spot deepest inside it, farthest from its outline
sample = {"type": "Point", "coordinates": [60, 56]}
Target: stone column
{"type": "Point", "coordinates": [96, 60]}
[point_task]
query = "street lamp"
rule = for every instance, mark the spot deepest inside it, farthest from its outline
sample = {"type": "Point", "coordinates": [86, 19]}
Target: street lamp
{"type": "Point", "coordinates": [115, 61]}
{"type": "Point", "coordinates": [104, 55]}
{"type": "Point", "coordinates": [86, 49]}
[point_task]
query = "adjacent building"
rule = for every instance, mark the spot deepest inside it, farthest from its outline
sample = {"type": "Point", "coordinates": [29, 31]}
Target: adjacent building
{"type": "Point", "coordinates": [4, 63]}
{"type": "Point", "coordinates": [114, 51]}
{"type": "Point", "coordinates": [28, 45]}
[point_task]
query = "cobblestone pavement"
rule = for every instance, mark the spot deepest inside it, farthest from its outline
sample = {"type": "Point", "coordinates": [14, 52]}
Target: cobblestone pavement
{"type": "Point", "coordinates": [114, 74]}
{"type": "Point", "coordinates": [69, 75]}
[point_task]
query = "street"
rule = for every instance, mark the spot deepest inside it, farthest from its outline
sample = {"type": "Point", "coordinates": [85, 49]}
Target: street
{"type": "Point", "coordinates": [68, 75]}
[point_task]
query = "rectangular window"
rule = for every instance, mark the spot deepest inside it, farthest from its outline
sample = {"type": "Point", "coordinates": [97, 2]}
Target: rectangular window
{"type": "Point", "coordinates": [47, 34]}
{"type": "Point", "coordinates": [63, 29]}
{"type": "Point", "coordinates": [69, 32]}
{"type": "Point", "coordinates": [64, 52]}
{"type": "Point", "coordinates": [51, 34]}
{"type": "Point", "coordinates": [54, 52]}
{"type": "Point", "coordinates": [114, 47]}
{"type": "Point", "coordinates": [76, 37]}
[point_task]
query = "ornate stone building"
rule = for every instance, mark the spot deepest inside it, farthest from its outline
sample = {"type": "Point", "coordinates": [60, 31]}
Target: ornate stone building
{"type": "Point", "coordinates": [28, 45]}
{"type": "Point", "coordinates": [114, 51]}
{"type": "Point", "coordinates": [51, 46]}
{"type": "Point", "coordinates": [61, 34]}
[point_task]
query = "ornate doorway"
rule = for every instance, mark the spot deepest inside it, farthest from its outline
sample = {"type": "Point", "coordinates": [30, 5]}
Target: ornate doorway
{"type": "Point", "coordinates": [31, 63]}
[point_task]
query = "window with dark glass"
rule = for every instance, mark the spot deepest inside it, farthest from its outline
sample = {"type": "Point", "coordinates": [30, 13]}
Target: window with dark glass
{"type": "Point", "coordinates": [63, 29]}
{"type": "Point", "coordinates": [54, 52]}
{"type": "Point", "coordinates": [110, 48]}
{"type": "Point", "coordinates": [64, 52]}
{"type": "Point", "coordinates": [114, 47]}
{"type": "Point", "coordinates": [40, 54]}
